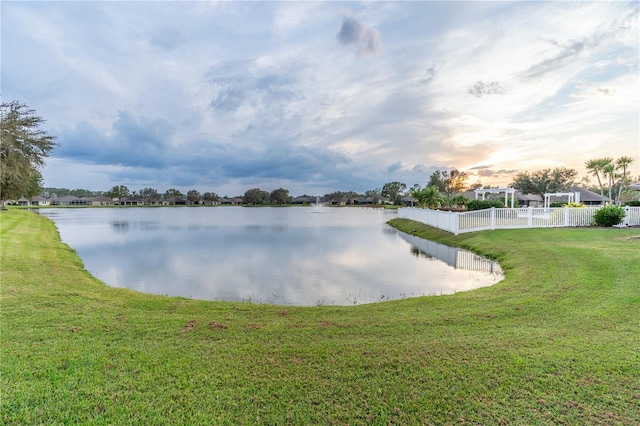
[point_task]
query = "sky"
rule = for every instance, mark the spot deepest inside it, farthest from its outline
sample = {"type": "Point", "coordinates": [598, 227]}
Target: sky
{"type": "Point", "coordinates": [316, 97]}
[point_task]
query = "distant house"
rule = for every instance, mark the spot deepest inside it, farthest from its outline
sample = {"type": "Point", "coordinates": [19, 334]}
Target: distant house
{"type": "Point", "coordinates": [529, 200]}
{"type": "Point", "coordinates": [102, 201]}
{"type": "Point", "coordinates": [131, 201]}
{"type": "Point", "coordinates": [40, 201]}
{"type": "Point", "coordinates": [70, 200]}
{"type": "Point", "coordinates": [579, 195]}
{"type": "Point", "coordinates": [364, 201]}
{"type": "Point", "coordinates": [409, 201]}
{"type": "Point", "coordinates": [590, 198]}
{"type": "Point", "coordinates": [23, 202]}
{"type": "Point", "coordinates": [231, 201]}
{"type": "Point", "coordinates": [305, 199]}
{"type": "Point", "coordinates": [210, 202]}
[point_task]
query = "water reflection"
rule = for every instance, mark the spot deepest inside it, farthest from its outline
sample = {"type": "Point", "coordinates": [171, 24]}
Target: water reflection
{"type": "Point", "coordinates": [452, 256]}
{"type": "Point", "coordinates": [264, 255]}
{"type": "Point", "coordinates": [120, 226]}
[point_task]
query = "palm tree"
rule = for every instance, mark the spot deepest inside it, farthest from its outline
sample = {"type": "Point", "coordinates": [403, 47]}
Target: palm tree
{"type": "Point", "coordinates": [623, 163]}
{"type": "Point", "coordinates": [595, 167]}
{"type": "Point", "coordinates": [609, 171]}
{"type": "Point", "coordinates": [430, 197]}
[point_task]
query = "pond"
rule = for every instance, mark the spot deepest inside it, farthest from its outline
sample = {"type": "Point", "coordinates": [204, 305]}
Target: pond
{"type": "Point", "coordinates": [278, 255]}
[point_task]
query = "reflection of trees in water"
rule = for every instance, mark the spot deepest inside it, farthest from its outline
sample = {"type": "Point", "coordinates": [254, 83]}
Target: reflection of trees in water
{"type": "Point", "coordinates": [419, 253]}
{"type": "Point", "coordinates": [121, 226]}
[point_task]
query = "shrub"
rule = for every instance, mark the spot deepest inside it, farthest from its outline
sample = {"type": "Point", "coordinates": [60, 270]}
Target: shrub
{"type": "Point", "coordinates": [633, 203]}
{"type": "Point", "coordinates": [609, 216]}
{"type": "Point", "coordinates": [484, 204]}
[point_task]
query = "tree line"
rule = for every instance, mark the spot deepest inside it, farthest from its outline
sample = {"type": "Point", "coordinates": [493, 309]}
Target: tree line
{"type": "Point", "coordinates": [24, 146]}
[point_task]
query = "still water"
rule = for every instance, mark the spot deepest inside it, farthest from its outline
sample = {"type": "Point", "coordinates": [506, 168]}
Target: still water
{"type": "Point", "coordinates": [286, 256]}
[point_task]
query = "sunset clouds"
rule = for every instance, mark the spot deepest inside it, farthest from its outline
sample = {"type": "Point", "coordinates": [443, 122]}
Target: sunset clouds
{"type": "Point", "coordinates": [322, 96]}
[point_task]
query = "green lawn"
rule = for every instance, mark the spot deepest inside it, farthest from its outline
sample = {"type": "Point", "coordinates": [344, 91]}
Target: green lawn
{"type": "Point", "coordinates": [556, 342]}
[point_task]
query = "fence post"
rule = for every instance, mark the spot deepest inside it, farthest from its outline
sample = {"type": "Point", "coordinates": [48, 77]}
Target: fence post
{"type": "Point", "coordinates": [627, 215]}
{"type": "Point", "coordinates": [566, 216]}
{"type": "Point", "coordinates": [530, 217]}
{"type": "Point", "coordinates": [456, 223]}
{"type": "Point", "coordinates": [493, 218]}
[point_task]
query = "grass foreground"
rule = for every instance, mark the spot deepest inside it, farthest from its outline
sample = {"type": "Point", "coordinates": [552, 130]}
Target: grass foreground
{"type": "Point", "coordinates": [556, 342]}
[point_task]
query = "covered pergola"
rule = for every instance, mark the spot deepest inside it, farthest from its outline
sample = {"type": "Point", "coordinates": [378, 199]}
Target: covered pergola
{"type": "Point", "coordinates": [572, 197]}
{"type": "Point", "coordinates": [507, 192]}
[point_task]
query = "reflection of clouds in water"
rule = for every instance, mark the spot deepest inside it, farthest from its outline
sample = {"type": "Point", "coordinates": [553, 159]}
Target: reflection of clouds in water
{"type": "Point", "coordinates": [350, 258]}
{"type": "Point", "coordinates": [283, 257]}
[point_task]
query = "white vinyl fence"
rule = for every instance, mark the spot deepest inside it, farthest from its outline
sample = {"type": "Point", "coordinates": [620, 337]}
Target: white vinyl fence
{"type": "Point", "coordinates": [479, 220]}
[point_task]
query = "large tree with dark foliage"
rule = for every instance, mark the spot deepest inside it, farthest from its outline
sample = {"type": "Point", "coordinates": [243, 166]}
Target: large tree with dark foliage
{"type": "Point", "coordinates": [279, 196]}
{"type": "Point", "coordinates": [544, 181]}
{"type": "Point", "coordinates": [448, 182]}
{"type": "Point", "coordinates": [256, 196]}
{"type": "Point", "coordinates": [23, 149]}
{"type": "Point", "coordinates": [393, 190]}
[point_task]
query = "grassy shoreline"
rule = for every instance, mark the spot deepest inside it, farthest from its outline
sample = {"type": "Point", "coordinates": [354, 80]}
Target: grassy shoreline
{"type": "Point", "coordinates": [555, 342]}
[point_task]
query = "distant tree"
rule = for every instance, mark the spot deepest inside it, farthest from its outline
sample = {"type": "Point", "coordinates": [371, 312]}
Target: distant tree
{"type": "Point", "coordinates": [429, 197]}
{"type": "Point", "coordinates": [194, 196]}
{"type": "Point", "coordinates": [118, 191]}
{"type": "Point", "coordinates": [448, 182]}
{"type": "Point", "coordinates": [256, 196]}
{"type": "Point", "coordinates": [459, 200]}
{"type": "Point", "coordinates": [23, 149]}
{"type": "Point", "coordinates": [623, 164]}
{"type": "Point", "coordinates": [609, 171]}
{"type": "Point", "coordinates": [150, 195]}
{"type": "Point", "coordinates": [374, 194]}
{"type": "Point", "coordinates": [393, 190]}
{"type": "Point", "coordinates": [544, 181]}
{"type": "Point", "coordinates": [172, 193]}
{"type": "Point", "coordinates": [475, 186]}
{"type": "Point", "coordinates": [32, 184]}
{"type": "Point", "coordinates": [210, 196]}
{"type": "Point", "coordinates": [437, 179]}
{"type": "Point", "coordinates": [342, 197]}
{"type": "Point", "coordinates": [596, 168]}
{"type": "Point", "coordinates": [279, 196]}
{"type": "Point", "coordinates": [82, 193]}
{"type": "Point", "coordinates": [57, 192]}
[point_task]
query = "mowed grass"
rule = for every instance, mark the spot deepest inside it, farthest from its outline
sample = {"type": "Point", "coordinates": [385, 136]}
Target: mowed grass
{"type": "Point", "coordinates": [556, 342]}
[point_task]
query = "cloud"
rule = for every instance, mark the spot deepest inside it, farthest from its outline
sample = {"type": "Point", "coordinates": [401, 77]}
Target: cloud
{"type": "Point", "coordinates": [429, 76]}
{"type": "Point", "coordinates": [480, 88]}
{"type": "Point", "coordinates": [558, 60]}
{"type": "Point", "coordinates": [144, 147]}
{"type": "Point", "coordinates": [480, 167]}
{"type": "Point", "coordinates": [493, 173]}
{"type": "Point", "coordinates": [569, 50]}
{"type": "Point", "coordinates": [365, 38]}
{"type": "Point", "coordinates": [589, 90]}
{"type": "Point", "coordinates": [394, 167]}
{"type": "Point", "coordinates": [225, 94]}
{"type": "Point", "coordinates": [131, 141]}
